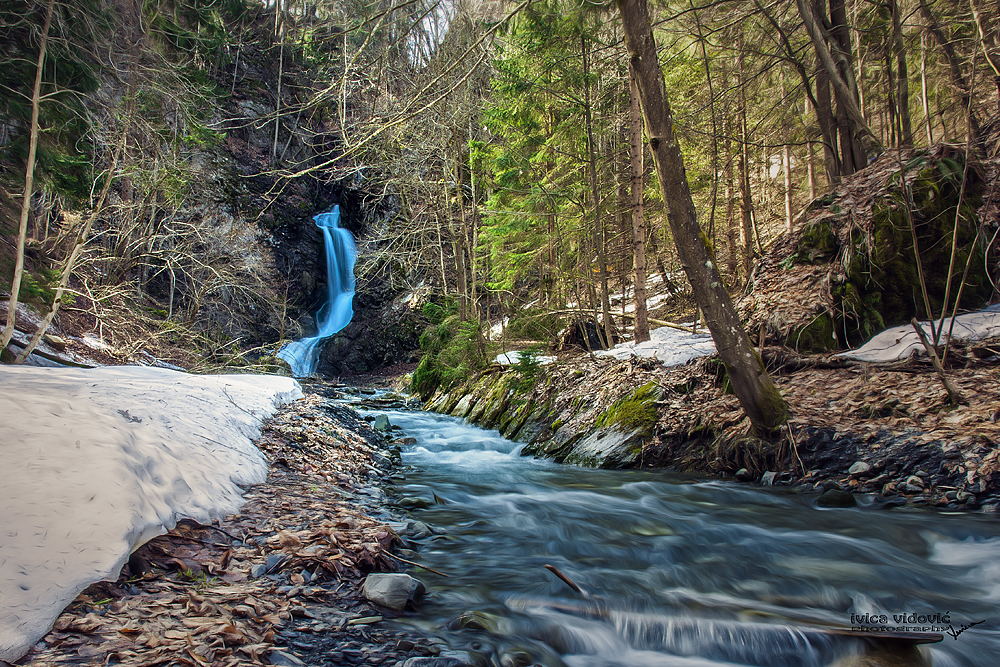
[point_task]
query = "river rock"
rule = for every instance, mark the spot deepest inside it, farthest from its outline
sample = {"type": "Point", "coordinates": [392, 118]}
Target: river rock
{"type": "Point", "coordinates": [381, 424]}
{"type": "Point", "coordinates": [607, 448]}
{"type": "Point", "coordinates": [418, 530]}
{"type": "Point", "coordinates": [767, 479]}
{"type": "Point", "coordinates": [914, 480]}
{"type": "Point", "coordinates": [836, 498]}
{"type": "Point", "coordinates": [438, 661]}
{"type": "Point", "coordinates": [859, 468]}
{"type": "Point", "coordinates": [394, 590]}
{"type": "Point", "coordinates": [55, 341]}
{"type": "Point", "coordinates": [743, 475]}
{"type": "Point", "coordinates": [284, 659]}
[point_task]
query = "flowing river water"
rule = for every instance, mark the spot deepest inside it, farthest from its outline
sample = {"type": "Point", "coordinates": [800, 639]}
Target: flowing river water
{"type": "Point", "coordinates": [679, 571]}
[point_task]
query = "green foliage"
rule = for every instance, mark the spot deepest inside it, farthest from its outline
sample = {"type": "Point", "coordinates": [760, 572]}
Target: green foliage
{"type": "Point", "coordinates": [527, 368]}
{"type": "Point", "coordinates": [534, 324]}
{"type": "Point", "coordinates": [39, 288]}
{"type": "Point", "coordinates": [437, 313]}
{"type": "Point", "coordinates": [453, 351]}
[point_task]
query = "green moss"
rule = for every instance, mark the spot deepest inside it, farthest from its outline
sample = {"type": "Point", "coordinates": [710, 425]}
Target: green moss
{"type": "Point", "coordinates": [817, 244]}
{"type": "Point", "coordinates": [817, 336]}
{"type": "Point", "coordinates": [637, 410]}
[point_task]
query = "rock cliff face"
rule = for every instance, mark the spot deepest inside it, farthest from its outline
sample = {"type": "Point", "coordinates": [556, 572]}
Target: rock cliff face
{"type": "Point", "coordinates": [229, 154]}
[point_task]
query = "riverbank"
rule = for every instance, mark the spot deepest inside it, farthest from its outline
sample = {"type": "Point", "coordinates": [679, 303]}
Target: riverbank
{"type": "Point", "coordinates": [278, 583]}
{"type": "Point", "coordinates": [886, 430]}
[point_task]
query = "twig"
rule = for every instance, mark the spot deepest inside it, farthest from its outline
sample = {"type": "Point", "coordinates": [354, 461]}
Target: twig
{"type": "Point", "coordinates": [566, 580]}
{"type": "Point", "coordinates": [795, 448]}
{"type": "Point", "coordinates": [953, 394]}
{"type": "Point", "coordinates": [410, 562]}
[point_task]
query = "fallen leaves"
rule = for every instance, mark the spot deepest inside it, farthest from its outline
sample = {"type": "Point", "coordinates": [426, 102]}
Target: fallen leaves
{"type": "Point", "coordinates": [190, 597]}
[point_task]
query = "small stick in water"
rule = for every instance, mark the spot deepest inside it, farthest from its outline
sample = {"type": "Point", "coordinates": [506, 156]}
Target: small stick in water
{"type": "Point", "coordinates": [566, 580]}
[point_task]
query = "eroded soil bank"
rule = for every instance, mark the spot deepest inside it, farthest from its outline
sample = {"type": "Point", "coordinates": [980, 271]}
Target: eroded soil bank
{"type": "Point", "coordinates": [886, 430]}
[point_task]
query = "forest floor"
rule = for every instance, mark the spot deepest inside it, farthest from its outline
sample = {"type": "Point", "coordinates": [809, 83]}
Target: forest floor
{"type": "Point", "coordinates": [279, 583]}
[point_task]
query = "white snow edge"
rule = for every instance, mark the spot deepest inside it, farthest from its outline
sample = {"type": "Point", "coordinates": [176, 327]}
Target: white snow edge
{"type": "Point", "coordinates": [670, 346]}
{"type": "Point", "coordinates": [902, 341]}
{"type": "Point", "coordinates": [98, 461]}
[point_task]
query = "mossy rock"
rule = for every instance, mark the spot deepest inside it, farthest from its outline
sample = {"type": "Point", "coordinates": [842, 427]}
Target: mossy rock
{"type": "Point", "coordinates": [817, 336]}
{"type": "Point", "coordinates": [817, 244]}
{"type": "Point", "coordinates": [635, 411]}
{"type": "Point", "coordinates": [882, 285]}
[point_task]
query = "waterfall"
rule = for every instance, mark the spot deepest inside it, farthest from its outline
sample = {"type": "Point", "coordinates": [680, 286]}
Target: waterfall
{"type": "Point", "coordinates": [303, 355]}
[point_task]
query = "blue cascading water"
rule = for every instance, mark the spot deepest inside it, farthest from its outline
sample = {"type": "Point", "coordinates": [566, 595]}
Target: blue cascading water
{"type": "Point", "coordinates": [303, 355]}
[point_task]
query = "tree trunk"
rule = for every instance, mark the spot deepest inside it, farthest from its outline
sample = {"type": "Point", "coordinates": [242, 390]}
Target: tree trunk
{"type": "Point", "coordinates": [757, 393]}
{"type": "Point", "coordinates": [839, 68]}
{"type": "Point", "coordinates": [824, 118]}
{"type": "Point", "coordinates": [954, 66]}
{"type": "Point", "coordinates": [638, 218]}
{"type": "Point", "coordinates": [928, 122]}
{"type": "Point", "coordinates": [29, 184]}
{"type": "Point", "coordinates": [987, 27]}
{"type": "Point", "coordinates": [602, 256]}
{"type": "Point", "coordinates": [902, 79]}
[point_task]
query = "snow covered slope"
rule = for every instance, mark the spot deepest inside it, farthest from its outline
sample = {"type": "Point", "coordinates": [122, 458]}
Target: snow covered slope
{"type": "Point", "coordinates": [902, 341]}
{"type": "Point", "coordinates": [94, 462]}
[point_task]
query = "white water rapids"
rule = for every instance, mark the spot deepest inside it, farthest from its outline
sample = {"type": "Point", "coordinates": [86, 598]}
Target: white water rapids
{"type": "Point", "coordinates": [683, 571]}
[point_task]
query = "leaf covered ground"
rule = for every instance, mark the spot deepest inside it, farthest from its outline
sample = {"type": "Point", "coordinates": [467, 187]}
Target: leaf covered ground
{"type": "Point", "coordinates": [275, 584]}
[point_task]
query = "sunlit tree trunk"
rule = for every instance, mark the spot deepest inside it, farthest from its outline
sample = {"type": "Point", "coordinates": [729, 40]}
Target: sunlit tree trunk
{"type": "Point", "coordinates": [29, 183]}
{"type": "Point", "coordinates": [757, 393]}
{"type": "Point", "coordinates": [638, 217]}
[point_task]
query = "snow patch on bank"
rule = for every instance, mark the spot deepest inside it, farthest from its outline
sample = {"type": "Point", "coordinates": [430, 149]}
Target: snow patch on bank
{"type": "Point", "coordinates": [98, 461]}
{"type": "Point", "coordinates": [508, 358]}
{"type": "Point", "coordinates": [902, 341]}
{"type": "Point", "coordinates": [671, 346]}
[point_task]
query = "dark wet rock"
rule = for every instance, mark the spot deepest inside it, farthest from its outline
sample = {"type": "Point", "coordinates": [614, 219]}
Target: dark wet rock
{"type": "Point", "coordinates": [515, 659]}
{"type": "Point", "coordinates": [274, 562]}
{"type": "Point", "coordinates": [258, 570]}
{"type": "Point", "coordinates": [743, 475]}
{"type": "Point", "coordinates": [836, 498]}
{"type": "Point", "coordinates": [393, 590]}
{"type": "Point", "coordinates": [479, 620]}
{"type": "Point", "coordinates": [285, 659]}
{"type": "Point", "coordinates": [418, 530]}
{"type": "Point", "coordinates": [437, 661]}
{"type": "Point", "coordinates": [889, 503]}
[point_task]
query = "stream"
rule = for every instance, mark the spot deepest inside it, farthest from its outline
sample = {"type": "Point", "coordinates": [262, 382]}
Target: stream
{"type": "Point", "coordinates": [679, 570]}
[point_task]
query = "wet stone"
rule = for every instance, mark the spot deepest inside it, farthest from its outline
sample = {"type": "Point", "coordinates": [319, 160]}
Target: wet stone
{"type": "Point", "coordinates": [836, 498]}
{"type": "Point", "coordinates": [284, 659]}
{"type": "Point", "coordinates": [743, 475]}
